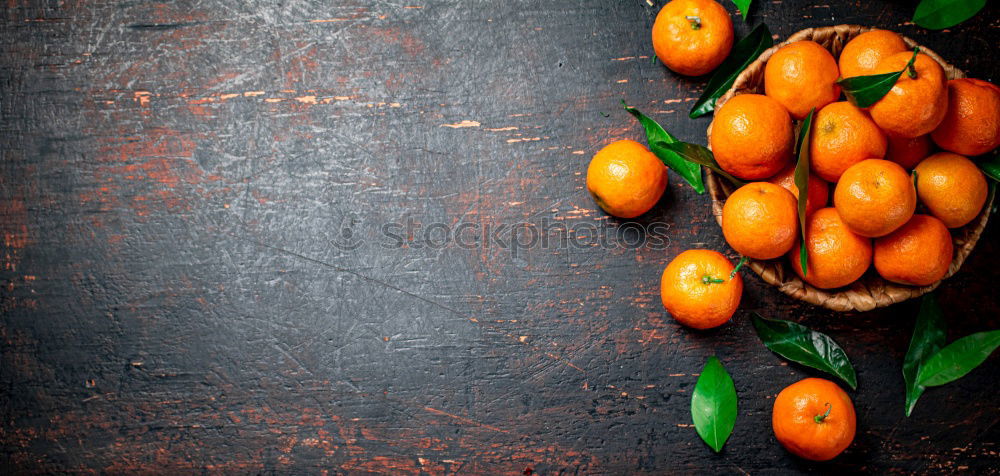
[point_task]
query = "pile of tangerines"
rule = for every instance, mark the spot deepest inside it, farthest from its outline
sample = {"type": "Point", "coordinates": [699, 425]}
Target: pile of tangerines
{"type": "Point", "coordinates": [908, 151]}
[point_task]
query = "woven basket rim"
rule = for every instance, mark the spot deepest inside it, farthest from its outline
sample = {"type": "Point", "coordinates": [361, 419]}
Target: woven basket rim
{"type": "Point", "coordinates": [870, 291]}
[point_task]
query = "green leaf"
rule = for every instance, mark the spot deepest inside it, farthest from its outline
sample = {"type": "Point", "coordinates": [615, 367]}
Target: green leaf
{"type": "Point", "coordinates": [941, 14]}
{"type": "Point", "coordinates": [744, 52]}
{"type": "Point", "coordinates": [744, 6]}
{"type": "Point", "coordinates": [802, 183]}
{"type": "Point", "coordinates": [958, 358]}
{"type": "Point", "coordinates": [863, 91]}
{"type": "Point", "coordinates": [699, 154]}
{"type": "Point", "coordinates": [805, 346]}
{"type": "Point", "coordinates": [928, 338]}
{"type": "Point", "coordinates": [713, 404]}
{"type": "Point", "coordinates": [656, 134]}
{"type": "Point", "coordinates": [990, 166]}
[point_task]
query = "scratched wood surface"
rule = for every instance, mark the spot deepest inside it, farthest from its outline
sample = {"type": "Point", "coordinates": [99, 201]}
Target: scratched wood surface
{"type": "Point", "coordinates": [224, 248]}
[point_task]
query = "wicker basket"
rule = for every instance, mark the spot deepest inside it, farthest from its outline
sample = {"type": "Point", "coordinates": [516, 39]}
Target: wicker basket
{"type": "Point", "coordinates": [871, 291]}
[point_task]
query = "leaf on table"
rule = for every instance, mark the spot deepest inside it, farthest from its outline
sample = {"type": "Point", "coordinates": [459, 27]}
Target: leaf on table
{"type": "Point", "coordinates": [699, 154]}
{"type": "Point", "coordinates": [655, 135]}
{"type": "Point", "coordinates": [941, 14]}
{"type": "Point", "coordinates": [802, 183]}
{"type": "Point", "coordinates": [805, 346]}
{"type": "Point", "coordinates": [744, 6]}
{"type": "Point", "coordinates": [958, 358]}
{"type": "Point", "coordinates": [713, 404]}
{"type": "Point", "coordinates": [863, 91]}
{"type": "Point", "coordinates": [928, 338]}
{"type": "Point", "coordinates": [744, 52]}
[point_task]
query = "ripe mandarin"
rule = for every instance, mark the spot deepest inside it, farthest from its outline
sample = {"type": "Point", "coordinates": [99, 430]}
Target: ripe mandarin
{"type": "Point", "coordinates": [692, 37]}
{"type": "Point", "coordinates": [917, 254]}
{"type": "Point", "coordinates": [836, 255]}
{"type": "Point", "coordinates": [760, 221]}
{"type": "Point", "coordinates": [842, 136]}
{"type": "Point", "coordinates": [697, 291]}
{"type": "Point", "coordinates": [814, 419]}
{"type": "Point", "coordinates": [626, 179]}
{"type": "Point", "coordinates": [752, 136]}
{"type": "Point", "coordinates": [801, 76]}
{"type": "Point", "coordinates": [862, 54]}
{"type": "Point", "coordinates": [875, 197]}
{"type": "Point", "coordinates": [917, 103]}
{"type": "Point", "coordinates": [971, 125]}
{"type": "Point", "coordinates": [951, 187]}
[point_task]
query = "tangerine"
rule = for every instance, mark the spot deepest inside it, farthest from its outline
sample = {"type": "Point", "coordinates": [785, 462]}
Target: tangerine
{"type": "Point", "coordinates": [752, 136]}
{"type": "Point", "coordinates": [692, 37]}
{"type": "Point", "coordinates": [626, 179]}
{"type": "Point", "coordinates": [875, 197]}
{"type": "Point", "coordinates": [971, 125]}
{"type": "Point", "coordinates": [700, 290]}
{"type": "Point", "coordinates": [801, 76]}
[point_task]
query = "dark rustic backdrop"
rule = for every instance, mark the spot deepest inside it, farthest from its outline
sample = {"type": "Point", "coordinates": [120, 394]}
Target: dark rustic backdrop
{"type": "Point", "coordinates": [196, 274]}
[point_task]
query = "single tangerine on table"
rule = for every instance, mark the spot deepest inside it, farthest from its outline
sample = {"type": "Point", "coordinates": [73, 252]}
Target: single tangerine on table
{"type": "Point", "coordinates": [918, 101]}
{"type": "Point", "coordinates": [862, 54]}
{"type": "Point", "coordinates": [875, 197]}
{"type": "Point", "coordinates": [908, 151]}
{"type": "Point", "coordinates": [697, 290]}
{"type": "Point", "coordinates": [814, 419]}
{"type": "Point", "coordinates": [626, 179]}
{"type": "Point", "coordinates": [752, 136]}
{"type": "Point", "coordinates": [843, 135]}
{"type": "Point", "coordinates": [971, 126]}
{"type": "Point", "coordinates": [836, 255]}
{"type": "Point", "coordinates": [917, 254]}
{"type": "Point", "coordinates": [760, 220]}
{"type": "Point", "coordinates": [692, 37]}
{"type": "Point", "coordinates": [818, 189]}
{"type": "Point", "coordinates": [951, 187]}
{"type": "Point", "coordinates": [801, 76]}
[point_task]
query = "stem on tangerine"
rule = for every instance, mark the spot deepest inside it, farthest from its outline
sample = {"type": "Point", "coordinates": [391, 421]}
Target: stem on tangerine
{"type": "Point", "coordinates": [820, 418]}
{"type": "Point", "coordinates": [706, 279]}
{"type": "Point", "coordinates": [695, 22]}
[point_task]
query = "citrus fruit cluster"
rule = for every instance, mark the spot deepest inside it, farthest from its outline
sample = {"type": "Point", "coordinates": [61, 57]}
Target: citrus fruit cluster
{"type": "Point", "coordinates": [898, 170]}
{"type": "Point", "coordinates": [925, 123]}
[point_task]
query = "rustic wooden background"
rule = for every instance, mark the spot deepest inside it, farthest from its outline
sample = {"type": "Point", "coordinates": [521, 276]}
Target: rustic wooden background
{"type": "Point", "coordinates": [196, 278]}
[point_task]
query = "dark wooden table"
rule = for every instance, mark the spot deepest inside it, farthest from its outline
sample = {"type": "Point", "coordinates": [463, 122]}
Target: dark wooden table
{"type": "Point", "coordinates": [295, 236]}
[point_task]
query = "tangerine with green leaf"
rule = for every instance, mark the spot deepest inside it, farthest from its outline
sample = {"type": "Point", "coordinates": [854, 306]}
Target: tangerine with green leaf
{"type": "Point", "coordinates": [917, 103]}
{"type": "Point", "coordinates": [700, 290]}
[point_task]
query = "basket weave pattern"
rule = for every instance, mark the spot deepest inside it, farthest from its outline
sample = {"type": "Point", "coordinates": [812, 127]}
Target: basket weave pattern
{"type": "Point", "coordinates": [871, 291]}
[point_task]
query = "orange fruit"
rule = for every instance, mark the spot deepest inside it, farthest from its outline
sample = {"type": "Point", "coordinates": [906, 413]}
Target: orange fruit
{"type": "Point", "coordinates": [917, 254]}
{"type": "Point", "coordinates": [818, 189]}
{"type": "Point", "coordinates": [875, 197]}
{"type": "Point", "coordinates": [752, 136]}
{"type": "Point", "coordinates": [692, 37]}
{"type": "Point", "coordinates": [626, 179]}
{"type": "Point", "coordinates": [951, 187]}
{"type": "Point", "coordinates": [801, 76]}
{"type": "Point", "coordinates": [862, 54]}
{"type": "Point", "coordinates": [814, 419]}
{"type": "Point", "coordinates": [971, 125]}
{"type": "Point", "coordinates": [842, 136]}
{"type": "Point", "coordinates": [836, 255]}
{"type": "Point", "coordinates": [915, 105]}
{"type": "Point", "coordinates": [696, 289]}
{"type": "Point", "coordinates": [908, 151]}
{"type": "Point", "coordinates": [760, 221]}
